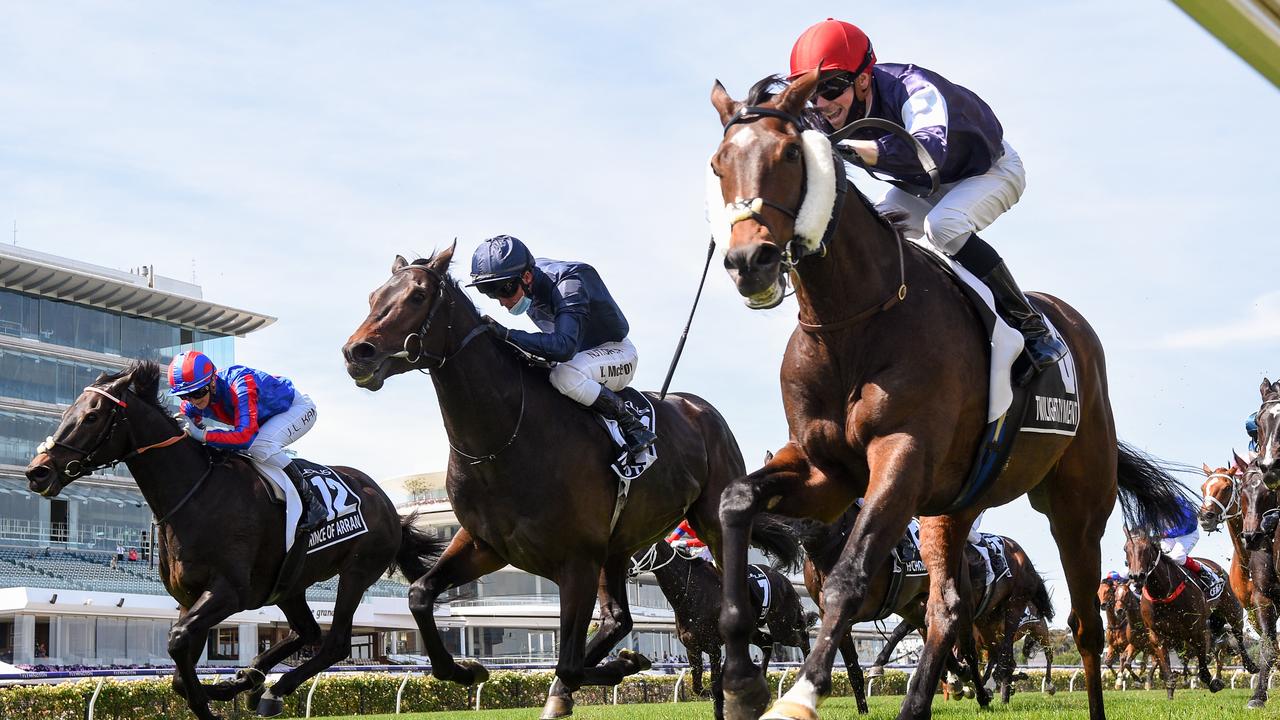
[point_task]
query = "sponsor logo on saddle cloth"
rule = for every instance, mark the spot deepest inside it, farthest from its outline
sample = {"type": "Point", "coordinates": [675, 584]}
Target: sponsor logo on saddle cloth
{"type": "Point", "coordinates": [1216, 584]}
{"type": "Point", "coordinates": [345, 519]}
{"type": "Point", "coordinates": [761, 590]}
{"type": "Point", "coordinates": [995, 550]}
{"type": "Point", "coordinates": [906, 555]}
{"type": "Point", "coordinates": [627, 467]}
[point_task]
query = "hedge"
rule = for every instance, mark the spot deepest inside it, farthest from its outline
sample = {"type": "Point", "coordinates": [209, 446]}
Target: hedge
{"type": "Point", "coordinates": [375, 693]}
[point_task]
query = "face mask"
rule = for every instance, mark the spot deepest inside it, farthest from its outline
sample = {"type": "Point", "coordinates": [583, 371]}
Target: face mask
{"type": "Point", "coordinates": [521, 305]}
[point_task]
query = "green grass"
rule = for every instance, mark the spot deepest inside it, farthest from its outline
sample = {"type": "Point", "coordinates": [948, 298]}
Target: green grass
{"type": "Point", "coordinates": [1136, 705]}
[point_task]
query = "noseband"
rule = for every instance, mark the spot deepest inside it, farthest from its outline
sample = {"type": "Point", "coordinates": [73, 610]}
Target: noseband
{"type": "Point", "coordinates": [1234, 499]}
{"type": "Point", "coordinates": [85, 465]}
{"type": "Point", "coordinates": [413, 357]}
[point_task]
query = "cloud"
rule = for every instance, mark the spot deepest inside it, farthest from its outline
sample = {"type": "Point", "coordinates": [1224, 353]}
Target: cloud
{"type": "Point", "coordinates": [1260, 326]}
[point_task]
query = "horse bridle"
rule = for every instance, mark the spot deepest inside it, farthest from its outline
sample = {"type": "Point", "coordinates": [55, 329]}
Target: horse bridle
{"type": "Point", "coordinates": [414, 357]}
{"type": "Point", "coordinates": [750, 208]}
{"type": "Point", "coordinates": [1233, 500]}
{"type": "Point", "coordinates": [85, 465]}
{"type": "Point", "coordinates": [441, 298]}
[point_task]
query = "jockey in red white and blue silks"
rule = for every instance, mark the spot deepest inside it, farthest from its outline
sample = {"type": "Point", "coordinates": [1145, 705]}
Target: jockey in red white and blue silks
{"type": "Point", "coordinates": [264, 413]}
{"type": "Point", "coordinates": [1178, 540]}
{"type": "Point", "coordinates": [684, 536]}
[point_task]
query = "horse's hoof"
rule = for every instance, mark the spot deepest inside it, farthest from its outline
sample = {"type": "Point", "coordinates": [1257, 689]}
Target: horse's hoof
{"type": "Point", "coordinates": [640, 662]}
{"type": "Point", "coordinates": [270, 706]}
{"type": "Point", "coordinates": [787, 710]}
{"type": "Point", "coordinates": [1255, 705]}
{"type": "Point", "coordinates": [558, 706]}
{"type": "Point", "coordinates": [1050, 691]}
{"type": "Point", "coordinates": [874, 671]}
{"type": "Point", "coordinates": [1216, 684]}
{"type": "Point", "coordinates": [470, 672]}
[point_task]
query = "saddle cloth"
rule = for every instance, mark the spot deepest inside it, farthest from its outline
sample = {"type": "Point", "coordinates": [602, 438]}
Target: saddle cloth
{"type": "Point", "coordinates": [1217, 581]}
{"type": "Point", "coordinates": [999, 569]}
{"type": "Point", "coordinates": [626, 466]}
{"type": "Point", "coordinates": [907, 559]}
{"type": "Point", "coordinates": [761, 590]}
{"type": "Point", "coordinates": [345, 519]}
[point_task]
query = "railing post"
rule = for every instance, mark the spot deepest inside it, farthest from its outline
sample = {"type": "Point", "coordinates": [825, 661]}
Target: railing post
{"type": "Point", "coordinates": [400, 692]}
{"type": "Point", "coordinates": [615, 693]}
{"type": "Point", "coordinates": [94, 700]}
{"type": "Point", "coordinates": [314, 682]}
{"type": "Point", "coordinates": [871, 683]}
{"type": "Point", "coordinates": [1235, 675]}
{"type": "Point", "coordinates": [782, 679]}
{"type": "Point", "coordinates": [1071, 686]}
{"type": "Point", "coordinates": [675, 695]}
{"type": "Point", "coordinates": [479, 689]}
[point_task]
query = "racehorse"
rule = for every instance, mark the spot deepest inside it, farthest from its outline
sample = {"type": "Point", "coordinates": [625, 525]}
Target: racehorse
{"type": "Point", "coordinates": [997, 630]}
{"type": "Point", "coordinates": [1223, 503]}
{"type": "Point", "coordinates": [889, 403]}
{"type": "Point", "coordinates": [1127, 609]}
{"type": "Point", "coordinates": [1035, 631]}
{"type": "Point", "coordinates": [529, 475]}
{"type": "Point", "coordinates": [1177, 612]}
{"type": "Point", "coordinates": [221, 539]}
{"type": "Point", "coordinates": [692, 586]}
{"type": "Point", "coordinates": [1258, 532]}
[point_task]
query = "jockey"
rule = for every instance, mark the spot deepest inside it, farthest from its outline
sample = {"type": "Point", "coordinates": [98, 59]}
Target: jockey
{"type": "Point", "coordinates": [265, 413]}
{"type": "Point", "coordinates": [1116, 578]}
{"type": "Point", "coordinates": [1178, 541]}
{"type": "Point", "coordinates": [975, 539]}
{"type": "Point", "coordinates": [981, 174]}
{"type": "Point", "coordinates": [1251, 427]}
{"type": "Point", "coordinates": [583, 330]}
{"type": "Point", "coordinates": [684, 536]}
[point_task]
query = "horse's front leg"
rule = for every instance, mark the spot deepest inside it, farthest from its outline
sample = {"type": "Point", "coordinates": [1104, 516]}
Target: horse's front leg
{"type": "Point", "coordinates": [786, 483]}
{"type": "Point", "coordinates": [466, 559]}
{"type": "Point", "coordinates": [187, 641]}
{"type": "Point", "coordinates": [877, 529]}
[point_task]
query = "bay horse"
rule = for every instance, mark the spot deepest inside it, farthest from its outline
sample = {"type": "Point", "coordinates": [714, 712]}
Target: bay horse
{"type": "Point", "coordinates": [1137, 640]}
{"type": "Point", "coordinates": [1223, 504]}
{"type": "Point", "coordinates": [1176, 611]}
{"type": "Point", "coordinates": [1258, 532]}
{"type": "Point", "coordinates": [693, 587]}
{"type": "Point", "coordinates": [221, 540]}
{"type": "Point", "coordinates": [889, 403]}
{"type": "Point", "coordinates": [529, 475]}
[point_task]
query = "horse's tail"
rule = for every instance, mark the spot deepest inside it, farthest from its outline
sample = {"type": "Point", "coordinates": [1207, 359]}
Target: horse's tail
{"type": "Point", "coordinates": [777, 538]}
{"type": "Point", "coordinates": [1040, 600]}
{"type": "Point", "coordinates": [1149, 496]}
{"type": "Point", "coordinates": [418, 549]}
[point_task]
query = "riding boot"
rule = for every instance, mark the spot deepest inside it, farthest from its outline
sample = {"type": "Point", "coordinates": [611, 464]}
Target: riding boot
{"type": "Point", "coordinates": [1043, 347]}
{"type": "Point", "coordinates": [1200, 573]}
{"type": "Point", "coordinates": [611, 406]}
{"type": "Point", "coordinates": [314, 512]}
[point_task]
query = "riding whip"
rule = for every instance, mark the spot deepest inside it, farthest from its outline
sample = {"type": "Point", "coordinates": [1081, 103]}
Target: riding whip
{"type": "Point", "coordinates": [675, 359]}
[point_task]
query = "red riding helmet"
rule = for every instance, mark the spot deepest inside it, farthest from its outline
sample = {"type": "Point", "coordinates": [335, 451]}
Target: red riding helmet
{"type": "Point", "coordinates": [837, 45]}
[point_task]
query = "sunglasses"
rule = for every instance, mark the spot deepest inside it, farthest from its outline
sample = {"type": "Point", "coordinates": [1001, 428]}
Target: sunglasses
{"type": "Point", "coordinates": [834, 87]}
{"type": "Point", "coordinates": [499, 290]}
{"type": "Point", "coordinates": [195, 394]}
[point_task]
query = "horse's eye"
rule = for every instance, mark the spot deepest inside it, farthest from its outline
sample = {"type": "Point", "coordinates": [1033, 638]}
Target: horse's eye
{"type": "Point", "coordinates": [91, 417]}
{"type": "Point", "coordinates": [792, 153]}
{"type": "Point", "coordinates": [418, 297]}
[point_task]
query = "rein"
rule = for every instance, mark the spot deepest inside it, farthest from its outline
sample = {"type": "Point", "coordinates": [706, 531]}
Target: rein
{"type": "Point", "coordinates": [750, 208]}
{"type": "Point", "coordinates": [414, 357]}
{"type": "Point", "coordinates": [75, 469]}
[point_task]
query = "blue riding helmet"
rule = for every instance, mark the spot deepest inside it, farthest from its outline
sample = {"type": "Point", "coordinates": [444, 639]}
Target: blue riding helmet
{"type": "Point", "coordinates": [499, 258]}
{"type": "Point", "coordinates": [1251, 426]}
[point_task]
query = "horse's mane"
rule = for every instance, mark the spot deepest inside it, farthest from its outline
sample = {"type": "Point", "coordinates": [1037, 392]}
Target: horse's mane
{"type": "Point", "coordinates": [453, 282]}
{"type": "Point", "coordinates": [144, 379]}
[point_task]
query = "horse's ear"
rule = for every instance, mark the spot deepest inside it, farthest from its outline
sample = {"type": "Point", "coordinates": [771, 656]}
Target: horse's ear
{"type": "Point", "coordinates": [440, 261]}
{"type": "Point", "coordinates": [1207, 470]}
{"type": "Point", "coordinates": [725, 105]}
{"type": "Point", "coordinates": [399, 264]}
{"type": "Point", "coordinates": [792, 99]}
{"type": "Point", "coordinates": [1240, 464]}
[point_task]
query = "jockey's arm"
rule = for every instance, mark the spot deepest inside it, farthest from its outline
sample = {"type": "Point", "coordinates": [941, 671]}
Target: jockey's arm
{"type": "Point", "coordinates": [245, 390]}
{"type": "Point", "coordinates": [924, 115]}
{"type": "Point", "coordinates": [561, 344]}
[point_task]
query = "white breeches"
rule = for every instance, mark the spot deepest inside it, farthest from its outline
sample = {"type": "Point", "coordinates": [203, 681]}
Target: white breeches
{"type": "Point", "coordinates": [961, 208]}
{"type": "Point", "coordinates": [611, 364]}
{"type": "Point", "coordinates": [1178, 548]}
{"type": "Point", "coordinates": [268, 454]}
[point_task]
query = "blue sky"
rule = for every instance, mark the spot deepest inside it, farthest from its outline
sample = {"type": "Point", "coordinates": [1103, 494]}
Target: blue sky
{"type": "Point", "coordinates": [283, 153]}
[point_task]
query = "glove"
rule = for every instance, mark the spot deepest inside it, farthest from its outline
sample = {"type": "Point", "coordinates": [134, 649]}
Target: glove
{"type": "Point", "coordinates": [196, 432]}
{"type": "Point", "coordinates": [495, 327]}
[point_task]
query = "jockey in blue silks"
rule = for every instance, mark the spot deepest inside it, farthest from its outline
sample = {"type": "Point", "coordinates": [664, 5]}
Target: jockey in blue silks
{"type": "Point", "coordinates": [1180, 539]}
{"type": "Point", "coordinates": [264, 412]}
{"type": "Point", "coordinates": [582, 329]}
{"type": "Point", "coordinates": [981, 175]}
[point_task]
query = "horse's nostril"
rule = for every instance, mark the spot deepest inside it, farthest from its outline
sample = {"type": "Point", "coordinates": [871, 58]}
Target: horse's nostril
{"type": "Point", "coordinates": [39, 473]}
{"type": "Point", "coordinates": [766, 255]}
{"type": "Point", "coordinates": [363, 351]}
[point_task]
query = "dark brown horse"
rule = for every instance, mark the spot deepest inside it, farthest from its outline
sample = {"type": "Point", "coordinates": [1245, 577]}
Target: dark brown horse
{"type": "Point", "coordinates": [1127, 609]}
{"type": "Point", "coordinates": [885, 388]}
{"type": "Point", "coordinates": [221, 539]}
{"type": "Point", "coordinates": [1177, 612]}
{"type": "Point", "coordinates": [693, 587]}
{"type": "Point", "coordinates": [997, 629]}
{"type": "Point", "coordinates": [1258, 532]}
{"type": "Point", "coordinates": [529, 474]}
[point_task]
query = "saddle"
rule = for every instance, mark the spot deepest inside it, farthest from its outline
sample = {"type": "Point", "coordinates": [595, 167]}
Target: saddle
{"type": "Point", "coordinates": [906, 561]}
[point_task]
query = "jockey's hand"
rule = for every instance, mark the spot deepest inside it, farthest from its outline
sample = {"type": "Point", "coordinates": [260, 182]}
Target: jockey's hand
{"type": "Point", "coordinates": [495, 327]}
{"type": "Point", "coordinates": [196, 432]}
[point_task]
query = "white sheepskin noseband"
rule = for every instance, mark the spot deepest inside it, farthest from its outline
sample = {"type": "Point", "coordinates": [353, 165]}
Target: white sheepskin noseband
{"type": "Point", "coordinates": [815, 210]}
